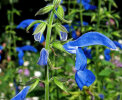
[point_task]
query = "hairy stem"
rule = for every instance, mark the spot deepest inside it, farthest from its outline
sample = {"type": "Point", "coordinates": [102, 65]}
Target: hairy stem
{"type": "Point", "coordinates": [49, 28]}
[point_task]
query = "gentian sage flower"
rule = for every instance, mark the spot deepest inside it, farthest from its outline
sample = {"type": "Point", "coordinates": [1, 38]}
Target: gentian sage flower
{"type": "Point", "coordinates": [86, 4]}
{"type": "Point", "coordinates": [74, 47]}
{"type": "Point", "coordinates": [118, 44]}
{"type": "Point", "coordinates": [29, 48]}
{"type": "Point", "coordinates": [22, 94]}
{"type": "Point", "coordinates": [39, 36]}
{"type": "Point", "coordinates": [87, 52]}
{"type": "Point", "coordinates": [43, 57]}
{"type": "Point", "coordinates": [63, 36]}
{"type": "Point", "coordinates": [1, 48]}
{"type": "Point", "coordinates": [24, 24]}
{"type": "Point", "coordinates": [72, 30]}
{"type": "Point", "coordinates": [16, 87]}
{"type": "Point", "coordinates": [107, 54]}
{"type": "Point", "coordinates": [20, 56]}
{"type": "Point", "coordinates": [21, 50]}
{"type": "Point", "coordinates": [101, 96]}
{"type": "Point", "coordinates": [84, 78]}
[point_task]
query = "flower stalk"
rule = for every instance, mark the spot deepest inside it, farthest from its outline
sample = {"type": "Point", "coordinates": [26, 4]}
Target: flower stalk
{"type": "Point", "coordinates": [49, 28]}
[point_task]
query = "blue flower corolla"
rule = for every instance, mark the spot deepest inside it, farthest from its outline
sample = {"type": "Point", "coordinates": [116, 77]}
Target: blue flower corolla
{"type": "Point", "coordinates": [107, 54]}
{"type": "Point", "coordinates": [43, 57]}
{"type": "Point", "coordinates": [63, 36]}
{"type": "Point", "coordinates": [1, 47]}
{"type": "Point", "coordinates": [84, 78]}
{"type": "Point", "coordinates": [72, 30]}
{"type": "Point", "coordinates": [16, 87]}
{"type": "Point", "coordinates": [22, 94]}
{"type": "Point", "coordinates": [87, 52]}
{"type": "Point", "coordinates": [21, 62]}
{"type": "Point", "coordinates": [0, 57]}
{"type": "Point", "coordinates": [29, 48]}
{"type": "Point", "coordinates": [90, 38]}
{"type": "Point", "coordinates": [101, 96]}
{"type": "Point", "coordinates": [20, 56]}
{"type": "Point", "coordinates": [39, 36]}
{"type": "Point", "coordinates": [25, 23]}
{"type": "Point", "coordinates": [118, 44]}
{"type": "Point", "coordinates": [86, 4]}
{"type": "Point", "coordinates": [81, 60]}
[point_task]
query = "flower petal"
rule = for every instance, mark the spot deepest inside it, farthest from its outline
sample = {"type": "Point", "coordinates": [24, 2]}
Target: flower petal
{"type": "Point", "coordinates": [37, 37]}
{"type": "Point", "coordinates": [107, 54]}
{"type": "Point", "coordinates": [22, 94]}
{"type": "Point", "coordinates": [43, 57]}
{"type": "Point", "coordinates": [86, 77]}
{"type": "Point", "coordinates": [25, 23]}
{"type": "Point", "coordinates": [29, 48]}
{"type": "Point", "coordinates": [81, 60]}
{"type": "Point", "coordinates": [63, 36]}
{"type": "Point", "coordinates": [91, 38]}
{"type": "Point", "coordinates": [70, 49]}
{"type": "Point", "coordinates": [87, 52]}
{"type": "Point", "coordinates": [118, 44]}
{"type": "Point", "coordinates": [79, 83]}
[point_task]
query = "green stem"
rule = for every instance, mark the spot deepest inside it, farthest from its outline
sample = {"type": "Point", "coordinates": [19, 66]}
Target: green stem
{"type": "Point", "coordinates": [109, 8]}
{"type": "Point", "coordinates": [98, 18]}
{"type": "Point", "coordinates": [97, 47]}
{"type": "Point", "coordinates": [49, 28]}
{"type": "Point", "coordinates": [81, 16]}
{"type": "Point", "coordinates": [69, 7]}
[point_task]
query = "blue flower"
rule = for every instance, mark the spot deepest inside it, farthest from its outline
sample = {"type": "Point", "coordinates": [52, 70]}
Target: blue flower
{"type": "Point", "coordinates": [74, 47]}
{"type": "Point", "coordinates": [43, 57]}
{"type": "Point", "coordinates": [101, 96]}
{"type": "Point", "coordinates": [0, 57]}
{"type": "Point", "coordinates": [22, 94]}
{"type": "Point", "coordinates": [84, 78]}
{"type": "Point", "coordinates": [71, 29]}
{"type": "Point", "coordinates": [1, 47]}
{"type": "Point", "coordinates": [107, 54]}
{"type": "Point", "coordinates": [118, 44]}
{"type": "Point", "coordinates": [87, 52]}
{"type": "Point", "coordinates": [86, 4]}
{"type": "Point", "coordinates": [63, 36]}
{"type": "Point", "coordinates": [38, 37]}
{"type": "Point", "coordinates": [20, 54]}
{"type": "Point", "coordinates": [21, 50]}
{"type": "Point", "coordinates": [29, 48]}
{"type": "Point", "coordinates": [16, 87]}
{"type": "Point", "coordinates": [26, 23]}
{"type": "Point", "coordinates": [21, 62]}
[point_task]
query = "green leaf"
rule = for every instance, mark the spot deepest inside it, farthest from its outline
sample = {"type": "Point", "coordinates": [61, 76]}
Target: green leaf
{"type": "Point", "coordinates": [105, 72]}
{"type": "Point", "coordinates": [44, 10]}
{"type": "Point", "coordinates": [56, 3]}
{"type": "Point", "coordinates": [59, 46]}
{"type": "Point", "coordinates": [40, 28]}
{"type": "Point", "coordinates": [60, 11]}
{"type": "Point", "coordinates": [34, 84]}
{"type": "Point", "coordinates": [60, 84]}
{"type": "Point", "coordinates": [61, 18]}
{"type": "Point", "coordinates": [33, 23]}
{"type": "Point", "coordinates": [61, 28]}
